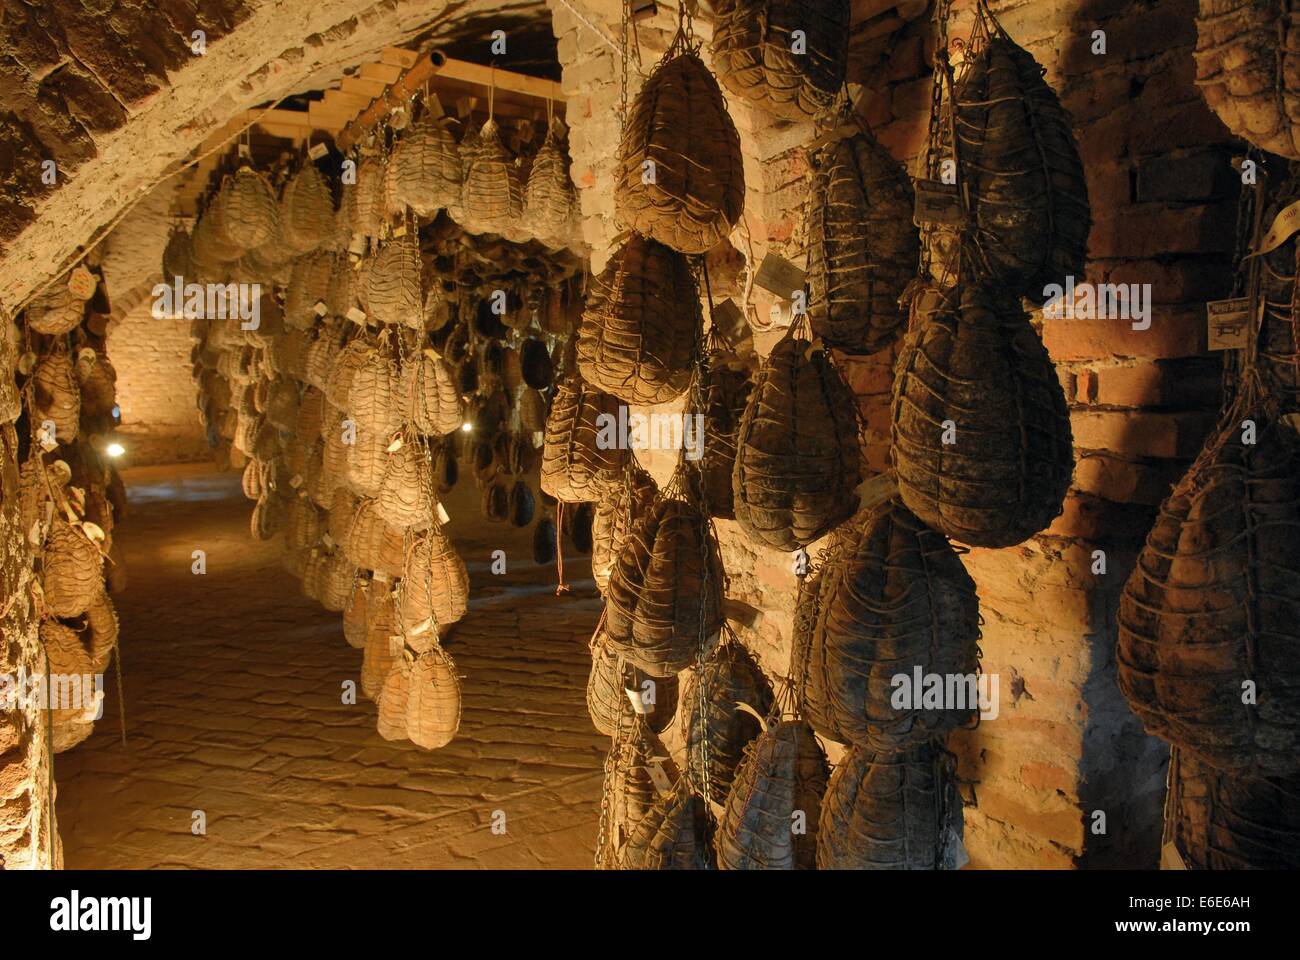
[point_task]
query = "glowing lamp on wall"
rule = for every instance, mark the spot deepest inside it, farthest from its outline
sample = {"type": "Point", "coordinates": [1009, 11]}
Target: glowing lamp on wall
{"type": "Point", "coordinates": [467, 426]}
{"type": "Point", "coordinates": [115, 450]}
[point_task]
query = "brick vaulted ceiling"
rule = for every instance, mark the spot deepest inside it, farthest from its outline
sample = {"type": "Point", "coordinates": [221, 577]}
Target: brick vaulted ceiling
{"type": "Point", "coordinates": [111, 91]}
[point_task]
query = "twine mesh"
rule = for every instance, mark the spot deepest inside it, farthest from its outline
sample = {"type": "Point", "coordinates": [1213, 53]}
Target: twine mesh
{"type": "Point", "coordinates": [307, 210]}
{"type": "Point", "coordinates": [717, 730]}
{"type": "Point", "coordinates": [981, 432]}
{"type": "Point", "coordinates": [895, 598]}
{"type": "Point", "coordinates": [576, 465]}
{"type": "Point", "coordinates": [393, 285]}
{"type": "Point", "coordinates": [1221, 821]}
{"type": "Point", "coordinates": [428, 166]}
{"type": "Point", "coordinates": [550, 202]}
{"type": "Point", "coordinates": [1248, 71]}
{"type": "Point", "coordinates": [861, 243]}
{"type": "Point", "coordinates": [1213, 602]}
{"type": "Point", "coordinates": [753, 50]}
{"type": "Point", "coordinates": [783, 773]}
{"type": "Point", "coordinates": [886, 810]}
{"type": "Point", "coordinates": [71, 570]}
{"type": "Point", "coordinates": [798, 458]}
{"type": "Point", "coordinates": [56, 312]}
{"type": "Point", "coordinates": [665, 587]}
{"type": "Point", "coordinates": [693, 192]}
{"type": "Point", "coordinates": [56, 395]}
{"type": "Point", "coordinates": [640, 325]}
{"type": "Point", "coordinates": [673, 835]}
{"type": "Point", "coordinates": [421, 700]}
{"type": "Point", "coordinates": [493, 195]}
{"type": "Point", "coordinates": [1020, 176]}
{"type": "Point", "coordinates": [248, 214]}
{"type": "Point", "coordinates": [611, 683]}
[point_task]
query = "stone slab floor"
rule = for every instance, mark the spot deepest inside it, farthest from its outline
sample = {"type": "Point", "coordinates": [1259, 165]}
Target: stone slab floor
{"type": "Point", "coordinates": [233, 689]}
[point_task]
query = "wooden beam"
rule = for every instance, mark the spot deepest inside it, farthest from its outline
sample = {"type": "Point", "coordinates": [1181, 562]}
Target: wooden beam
{"type": "Point", "coordinates": [518, 95]}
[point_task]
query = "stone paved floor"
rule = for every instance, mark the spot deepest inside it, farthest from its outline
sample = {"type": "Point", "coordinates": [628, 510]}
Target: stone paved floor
{"type": "Point", "coordinates": [233, 706]}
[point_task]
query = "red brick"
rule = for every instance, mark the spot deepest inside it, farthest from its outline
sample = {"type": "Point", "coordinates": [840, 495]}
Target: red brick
{"type": "Point", "coordinates": [1064, 827]}
{"type": "Point", "coordinates": [1170, 435]}
{"type": "Point", "coordinates": [1125, 481]}
{"type": "Point", "coordinates": [1085, 387]}
{"type": "Point", "coordinates": [1160, 384]}
{"type": "Point", "coordinates": [1102, 521]}
{"type": "Point", "coordinates": [1154, 229]}
{"type": "Point", "coordinates": [1174, 332]}
{"type": "Point", "coordinates": [1046, 776]}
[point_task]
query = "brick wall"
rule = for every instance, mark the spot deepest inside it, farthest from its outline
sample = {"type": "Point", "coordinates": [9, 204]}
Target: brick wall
{"type": "Point", "coordinates": [1065, 745]}
{"type": "Point", "coordinates": [160, 422]}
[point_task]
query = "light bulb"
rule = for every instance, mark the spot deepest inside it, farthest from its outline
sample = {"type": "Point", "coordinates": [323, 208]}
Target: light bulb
{"type": "Point", "coordinates": [115, 450]}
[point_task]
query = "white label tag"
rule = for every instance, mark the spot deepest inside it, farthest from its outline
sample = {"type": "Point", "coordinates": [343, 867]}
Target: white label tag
{"type": "Point", "coordinates": [659, 778]}
{"type": "Point", "coordinates": [442, 514]}
{"type": "Point", "coordinates": [296, 481]}
{"type": "Point", "coordinates": [539, 438]}
{"type": "Point", "coordinates": [244, 152]}
{"type": "Point", "coordinates": [320, 308]}
{"type": "Point", "coordinates": [318, 151]}
{"type": "Point", "coordinates": [779, 276]}
{"type": "Point", "coordinates": [1227, 323]}
{"type": "Point", "coordinates": [82, 283]}
{"type": "Point", "coordinates": [638, 702]}
{"type": "Point", "coordinates": [356, 315]}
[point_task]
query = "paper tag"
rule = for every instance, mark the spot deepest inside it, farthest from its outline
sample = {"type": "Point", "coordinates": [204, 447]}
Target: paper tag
{"type": "Point", "coordinates": [434, 106]}
{"type": "Point", "coordinates": [729, 320]}
{"type": "Point", "coordinates": [638, 702]}
{"type": "Point", "coordinates": [296, 481]}
{"type": "Point", "coordinates": [395, 445]}
{"type": "Point", "coordinates": [318, 151]}
{"type": "Point", "coordinates": [1284, 224]}
{"type": "Point", "coordinates": [431, 353]}
{"type": "Point", "coordinates": [82, 283]}
{"type": "Point", "coordinates": [320, 308]}
{"type": "Point", "coordinates": [381, 577]}
{"type": "Point", "coordinates": [327, 540]}
{"type": "Point", "coordinates": [442, 514]}
{"type": "Point", "coordinates": [937, 202]}
{"type": "Point", "coordinates": [244, 152]}
{"type": "Point", "coordinates": [779, 276]}
{"type": "Point", "coordinates": [358, 244]}
{"type": "Point", "coordinates": [659, 778]}
{"type": "Point", "coordinates": [356, 315]}
{"type": "Point", "coordinates": [464, 106]}
{"type": "Point", "coordinates": [1227, 323]}
{"type": "Point", "coordinates": [539, 438]}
